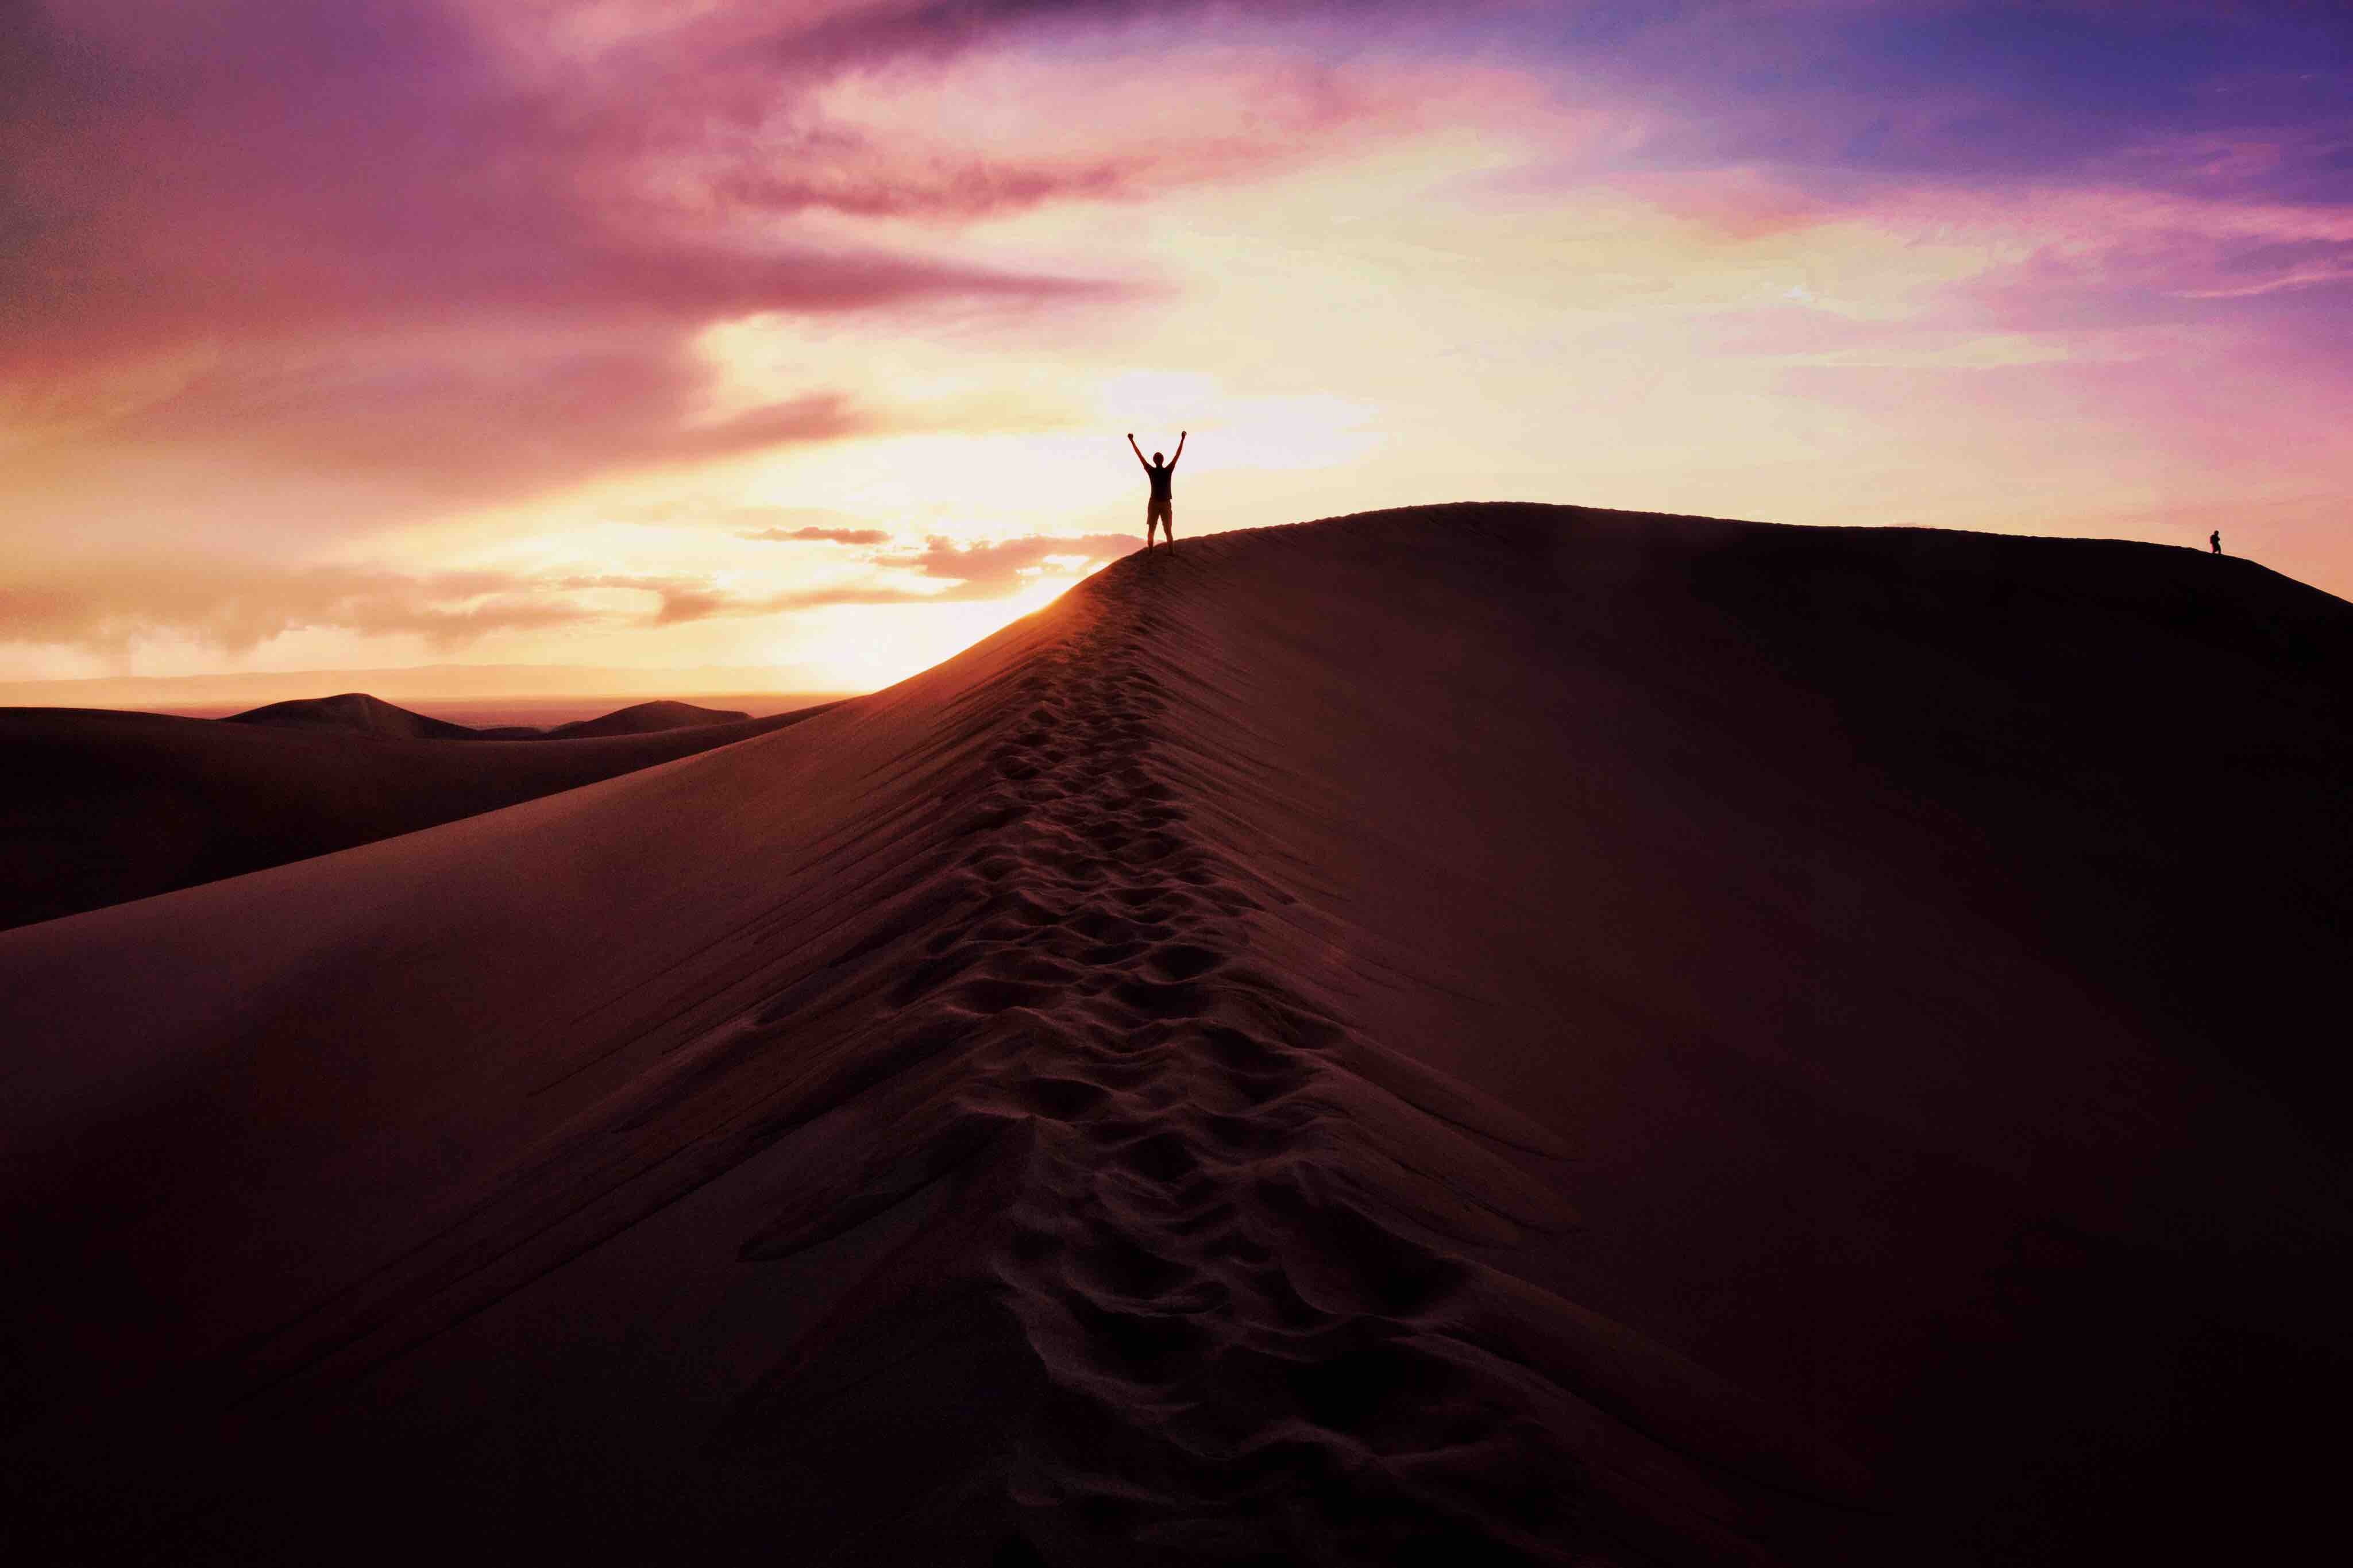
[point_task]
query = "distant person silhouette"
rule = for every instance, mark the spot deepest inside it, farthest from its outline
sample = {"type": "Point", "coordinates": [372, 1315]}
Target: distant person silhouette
{"type": "Point", "coordinates": [1159, 510]}
{"type": "Point", "coordinates": [2215, 539]}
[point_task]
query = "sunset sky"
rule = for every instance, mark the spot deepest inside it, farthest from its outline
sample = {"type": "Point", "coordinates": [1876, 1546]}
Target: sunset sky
{"type": "Point", "coordinates": [805, 333]}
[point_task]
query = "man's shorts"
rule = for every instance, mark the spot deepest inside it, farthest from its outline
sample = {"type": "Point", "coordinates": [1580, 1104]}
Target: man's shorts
{"type": "Point", "coordinates": [1159, 511]}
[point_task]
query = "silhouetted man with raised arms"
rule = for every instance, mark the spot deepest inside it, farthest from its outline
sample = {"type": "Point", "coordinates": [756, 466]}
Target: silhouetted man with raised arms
{"type": "Point", "coordinates": [1159, 509]}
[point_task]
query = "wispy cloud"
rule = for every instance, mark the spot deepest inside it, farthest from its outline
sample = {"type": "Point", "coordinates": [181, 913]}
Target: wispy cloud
{"type": "Point", "coordinates": [463, 427]}
{"type": "Point", "coordinates": [989, 569]}
{"type": "Point", "coordinates": [824, 535]}
{"type": "Point", "coordinates": [389, 238]}
{"type": "Point", "coordinates": [109, 607]}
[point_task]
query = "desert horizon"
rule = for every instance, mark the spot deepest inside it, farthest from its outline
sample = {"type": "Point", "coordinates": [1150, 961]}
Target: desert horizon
{"type": "Point", "coordinates": [217, 694]}
{"type": "Point", "coordinates": [541, 710]}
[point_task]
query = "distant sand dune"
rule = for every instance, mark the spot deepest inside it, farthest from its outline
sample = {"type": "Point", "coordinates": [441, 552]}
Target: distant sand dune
{"type": "Point", "coordinates": [646, 719]}
{"type": "Point", "coordinates": [1480, 1034]}
{"type": "Point", "coordinates": [354, 712]}
{"type": "Point", "coordinates": [100, 807]}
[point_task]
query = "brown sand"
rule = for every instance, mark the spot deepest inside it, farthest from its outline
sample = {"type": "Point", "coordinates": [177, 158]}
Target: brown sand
{"type": "Point", "coordinates": [1485, 1033]}
{"type": "Point", "coordinates": [100, 807]}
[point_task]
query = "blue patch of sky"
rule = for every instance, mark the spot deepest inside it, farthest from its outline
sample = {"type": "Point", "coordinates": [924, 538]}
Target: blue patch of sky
{"type": "Point", "coordinates": [1997, 92]}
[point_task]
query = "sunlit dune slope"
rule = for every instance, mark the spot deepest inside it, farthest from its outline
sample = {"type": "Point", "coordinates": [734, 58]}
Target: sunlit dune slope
{"type": "Point", "coordinates": [99, 808]}
{"type": "Point", "coordinates": [1476, 1034]}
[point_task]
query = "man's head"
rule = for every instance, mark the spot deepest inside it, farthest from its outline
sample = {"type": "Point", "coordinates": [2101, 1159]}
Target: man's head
{"type": "Point", "coordinates": [1157, 462]}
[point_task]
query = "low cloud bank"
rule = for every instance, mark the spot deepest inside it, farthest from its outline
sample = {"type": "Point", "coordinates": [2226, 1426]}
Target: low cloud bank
{"type": "Point", "coordinates": [106, 607]}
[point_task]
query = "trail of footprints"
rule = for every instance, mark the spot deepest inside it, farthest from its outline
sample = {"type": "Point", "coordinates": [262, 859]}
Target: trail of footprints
{"type": "Point", "coordinates": [1233, 1232]}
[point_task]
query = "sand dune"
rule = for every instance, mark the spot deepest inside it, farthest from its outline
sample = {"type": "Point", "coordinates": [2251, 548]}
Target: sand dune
{"type": "Point", "coordinates": [646, 719]}
{"type": "Point", "coordinates": [100, 807]}
{"type": "Point", "coordinates": [354, 712]}
{"type": "Point", "coordinates": [358, 713]}
{"type": "Point", "coordinates": [1490, 1033]}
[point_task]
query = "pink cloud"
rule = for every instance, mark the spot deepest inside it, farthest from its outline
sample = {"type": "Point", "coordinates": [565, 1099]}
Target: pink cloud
{"type": "Point", "coordinates": [468, 250]}
{"type": "Point", "coordinates": [1000, 565]}
{"type": "Point", "coordinates": [462, 425]}
{"type": "Point", "coordinates": [108, 605]}
{"type": "Point", "coordinates": [401, 248]}
{"type": "Point", "coordinates": [1736, 203]}
{"type": "Point", "coordinates": [989, 132]}
{"type": "Point", "coordinates": [236, 606]}
{"type": "Point", "coordinates": [826, 535]}
{"type": "Point", "coordinates": [990, 570]}
{"type": "Point", "coordinates": [2059, 259]}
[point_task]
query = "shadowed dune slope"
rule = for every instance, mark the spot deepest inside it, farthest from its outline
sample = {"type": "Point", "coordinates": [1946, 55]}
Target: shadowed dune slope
{"type": "Point", "coordinates": [645, 719]}
{"type": "Point", "coordinates": [354, 712]}
{"type": "Point", "coordinates": [1485, 1033]}
{"type": "Point", "coordinates": [100, 807]}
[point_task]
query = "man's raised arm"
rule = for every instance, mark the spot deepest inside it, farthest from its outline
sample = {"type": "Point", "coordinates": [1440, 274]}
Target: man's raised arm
{"type": "Point", "coordinates": [1139, 451]}
{"type": "Point", "coordinates": [1180, 448]}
